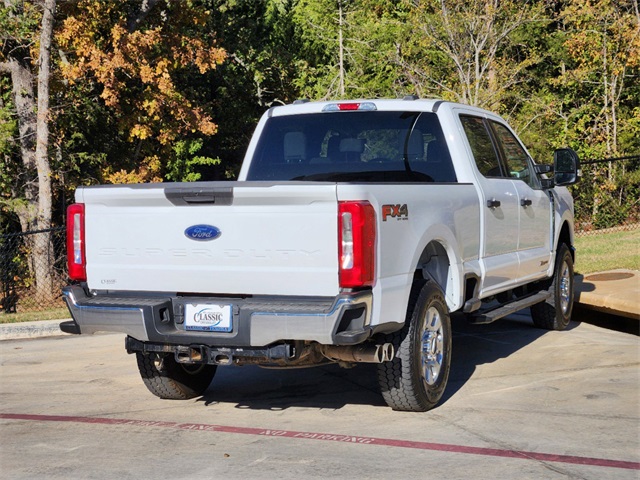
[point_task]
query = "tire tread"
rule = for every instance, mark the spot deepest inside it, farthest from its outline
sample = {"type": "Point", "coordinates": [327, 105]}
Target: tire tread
{"type": "Point", "coordinates": [397, 379]}
{"type": "Point", "coordinates": [170, 382]}
{"type": "Point", "coordinates": [547, 315]}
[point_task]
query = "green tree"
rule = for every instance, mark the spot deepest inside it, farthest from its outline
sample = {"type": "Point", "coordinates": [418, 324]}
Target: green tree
{"type": "Point", "coordinates": [602, 45]}
{"type": "Point", "coordinates": [257, 74]}
{"type": "Point", "coordinates": [324, 28]}
{"type": "Point", "coordinates": [347, 48]}
{"type": "Point", "coordinates": [470, 51]}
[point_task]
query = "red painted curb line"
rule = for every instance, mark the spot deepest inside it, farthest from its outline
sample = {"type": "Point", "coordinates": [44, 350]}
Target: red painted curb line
{"type": "Point", "coordinates": [440, 447]}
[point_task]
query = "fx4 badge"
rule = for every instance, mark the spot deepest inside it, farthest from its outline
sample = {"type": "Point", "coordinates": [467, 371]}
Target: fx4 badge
{"type": "Point", "coordinates": [399, 212]}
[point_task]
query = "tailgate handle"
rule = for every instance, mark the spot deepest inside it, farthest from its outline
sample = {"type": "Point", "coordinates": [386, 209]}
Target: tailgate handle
{"type": "Point", "coordinates": [200, 196]}
{"type": "Point", "coordinates": [199, 199]}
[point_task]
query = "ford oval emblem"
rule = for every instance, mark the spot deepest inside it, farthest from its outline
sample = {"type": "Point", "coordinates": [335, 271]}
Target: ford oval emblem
{"type": "Point", "coordinates": [202, 233]}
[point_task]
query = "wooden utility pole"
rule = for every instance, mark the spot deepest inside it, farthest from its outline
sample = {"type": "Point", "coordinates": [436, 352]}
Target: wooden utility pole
{"type": "Point", "coordinates": [341, 48]}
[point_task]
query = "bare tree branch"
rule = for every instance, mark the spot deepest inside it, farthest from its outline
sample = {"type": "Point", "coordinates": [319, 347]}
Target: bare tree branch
{"type": "Point", "coordinates": [134, 22]}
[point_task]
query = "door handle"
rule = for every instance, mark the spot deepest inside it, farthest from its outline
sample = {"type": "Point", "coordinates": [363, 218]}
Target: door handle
{"type": "Point", "coordinates": [493, 203]}
{"type": "Point", "coordinates": [525, 202]}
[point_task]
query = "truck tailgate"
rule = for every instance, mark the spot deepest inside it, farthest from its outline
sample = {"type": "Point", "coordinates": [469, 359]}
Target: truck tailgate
{"type": "Point", "coordinates": [273, 239]}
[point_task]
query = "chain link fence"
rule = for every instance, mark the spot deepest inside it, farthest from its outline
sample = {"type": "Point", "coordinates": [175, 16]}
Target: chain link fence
{"type": "Point", "coordinates": [32, 270]}
{"type": "Point", "coordinates": [607, 198]}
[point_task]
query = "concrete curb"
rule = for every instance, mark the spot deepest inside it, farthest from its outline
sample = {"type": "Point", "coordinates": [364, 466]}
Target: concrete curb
{"type": "Point", "coordinates": [40, 328]}
{"type": "Point", "coordinates": [616, 292]}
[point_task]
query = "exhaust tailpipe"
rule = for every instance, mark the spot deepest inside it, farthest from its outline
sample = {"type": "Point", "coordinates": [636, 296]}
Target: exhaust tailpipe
{"type": "Point", "coordinates": [359, 353]}
{"type": "Point", "coordinates": [388, 352]}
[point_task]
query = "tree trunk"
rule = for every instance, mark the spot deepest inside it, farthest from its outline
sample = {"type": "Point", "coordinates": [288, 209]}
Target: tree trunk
{"type": "Point", "coordinates": [42, 241]}
{"type": "Point", "coordinates": [22, 87]}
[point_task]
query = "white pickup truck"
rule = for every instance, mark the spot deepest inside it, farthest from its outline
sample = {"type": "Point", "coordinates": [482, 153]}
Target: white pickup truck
{"type": "Point", "coordinates": [354, 229]}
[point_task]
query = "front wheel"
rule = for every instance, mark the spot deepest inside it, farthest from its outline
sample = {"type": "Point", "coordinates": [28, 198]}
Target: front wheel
{"type": "Point", "coordinates": [168, 379]}
{"type": "Point", "coordinates": [415, 379]}
{"type": "Point", "coordinates": [555, 313]}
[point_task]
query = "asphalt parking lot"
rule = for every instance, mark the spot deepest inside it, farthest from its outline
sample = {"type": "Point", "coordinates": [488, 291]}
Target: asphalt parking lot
{"type": "Point", "coordinates": [521, 403]}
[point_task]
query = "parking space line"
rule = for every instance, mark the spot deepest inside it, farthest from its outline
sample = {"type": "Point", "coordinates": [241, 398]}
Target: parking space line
{"type": "Point", "coordinates": [353, 439]}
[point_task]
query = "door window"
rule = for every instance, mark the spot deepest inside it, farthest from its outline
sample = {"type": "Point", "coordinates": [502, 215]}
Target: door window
{"type": "Point", "coordinates": [515, 157]}
{"type": "Point", "coordinates": [484, 153]}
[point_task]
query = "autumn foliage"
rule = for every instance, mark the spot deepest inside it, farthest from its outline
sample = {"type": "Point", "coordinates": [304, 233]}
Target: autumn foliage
{"type": "Point", "coordinates": [135, 65]}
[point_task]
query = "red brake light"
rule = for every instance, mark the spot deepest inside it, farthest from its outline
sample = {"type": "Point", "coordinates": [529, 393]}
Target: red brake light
{"type": "Point", "coordinates": [76, 260]}
{"type": "Point", "coordinates": [357, 244]}
{"type": "Point", "coordinates": [348, 106]}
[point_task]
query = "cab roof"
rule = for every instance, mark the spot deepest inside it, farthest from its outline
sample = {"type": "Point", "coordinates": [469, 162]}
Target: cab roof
{"type": "Point", "coordinates": [408, 103]}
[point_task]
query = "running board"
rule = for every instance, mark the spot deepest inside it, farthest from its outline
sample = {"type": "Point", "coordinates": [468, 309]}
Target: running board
{"type": "Point", "coordinates": [504, 310]}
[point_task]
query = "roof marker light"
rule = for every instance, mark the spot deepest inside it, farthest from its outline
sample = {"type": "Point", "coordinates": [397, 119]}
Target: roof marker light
{"type": "Point", "coordinates": [350, 106]}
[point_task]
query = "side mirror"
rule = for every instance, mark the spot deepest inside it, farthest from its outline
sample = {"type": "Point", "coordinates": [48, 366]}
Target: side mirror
{"type": "Point", "coordinates": [566, 166]}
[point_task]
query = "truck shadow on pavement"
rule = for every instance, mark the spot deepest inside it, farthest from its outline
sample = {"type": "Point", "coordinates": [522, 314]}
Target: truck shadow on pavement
{"type": "Point", "coordinates": [326, 387]}
{"type": "Point", "coordinates": [609, 321]}
{"type": "Point", "coordinates": [332, 387]}
{"type": "Point", "coordinates": [475, 345]}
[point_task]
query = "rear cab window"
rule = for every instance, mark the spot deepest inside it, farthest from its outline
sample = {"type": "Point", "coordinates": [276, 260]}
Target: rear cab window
{"type": "Point", "coordinates": [371, 146]}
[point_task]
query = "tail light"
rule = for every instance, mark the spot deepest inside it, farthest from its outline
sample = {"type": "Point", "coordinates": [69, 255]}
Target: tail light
{"type": "Point", "coordinates": [357, 244]}
{"type": "Point", "coordinates": [76, 260]}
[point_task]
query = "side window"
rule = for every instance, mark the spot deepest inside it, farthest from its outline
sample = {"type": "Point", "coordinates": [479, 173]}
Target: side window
{"type": "Point", "coordinates": [481, 145]}
{"type": "Point", "coordinates": [515, 157]}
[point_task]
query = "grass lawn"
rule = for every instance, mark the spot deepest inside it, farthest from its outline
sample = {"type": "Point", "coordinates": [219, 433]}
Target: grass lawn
{"type": "Point", "coordinates": [608, 251]}
{"type": "Point", "coordinates": [50, 314]}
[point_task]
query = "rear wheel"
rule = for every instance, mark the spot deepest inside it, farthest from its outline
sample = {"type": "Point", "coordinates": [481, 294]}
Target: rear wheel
{"type": "Point", "coordinates": [555, 313]}
{"type": "Point", "coordinates": [166, 378]}
{"type": "Point", "coordinates": [415, 379]}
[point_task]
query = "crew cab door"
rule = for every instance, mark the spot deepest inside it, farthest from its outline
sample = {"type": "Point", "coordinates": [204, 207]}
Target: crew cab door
{"type": "Point", "coordinates": [499, 209]}
{"type": "Point", "coordinates": [516, 211]}
{"type": "Point", "coordinates": [534, 205]}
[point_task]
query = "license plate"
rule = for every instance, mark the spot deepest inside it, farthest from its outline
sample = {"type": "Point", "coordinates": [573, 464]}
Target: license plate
{"type": "Point", "coordinates": [208, 318]}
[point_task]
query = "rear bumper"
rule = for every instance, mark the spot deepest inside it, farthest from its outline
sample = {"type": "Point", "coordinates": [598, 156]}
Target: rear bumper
{"type": "Point", "coordinates": [257, 321]}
